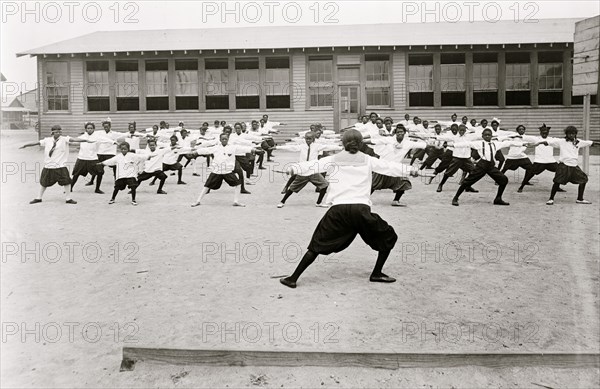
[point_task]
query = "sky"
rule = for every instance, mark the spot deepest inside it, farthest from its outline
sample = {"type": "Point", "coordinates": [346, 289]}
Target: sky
{"type": "Point", "coordinates": [31, 24]}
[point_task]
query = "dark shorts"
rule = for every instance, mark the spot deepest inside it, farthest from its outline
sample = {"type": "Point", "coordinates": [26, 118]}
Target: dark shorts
{"type": "Point", "coordinates": [538, 168]}
{"type": "Point", "coordinates": [143, 176]}
{"type": "Point", "coordinates": [104, 157]}
{"type": "Point", "coordinates": [340, 225]}
{"type": "Point", "coordinates": [175, 166]}
{"type": "Point", "coordinates": [85, 167]}
{"type": "Point", "coordinates": [50, 177]}
{"type": "Point", "coordinates": [573, 174]}
{"type": "Point", "coordinates": [214, 180]}
{"type": "Point", "coordinates": [130, 182]}
{"type": "Point", "coordinates": [514, 164]}
{"type": "Point", "coordinates": [381, 182]}
{"type": "Point", "coordinates": [316, 179]}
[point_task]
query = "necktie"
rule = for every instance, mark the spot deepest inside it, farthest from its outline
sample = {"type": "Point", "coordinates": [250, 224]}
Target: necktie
{"type": "Point", "coordinates": [53, 147]}
{"type": "Point", "coordinates": [308, 153]}
{"type": "Point", "coordinates": [491, 152]}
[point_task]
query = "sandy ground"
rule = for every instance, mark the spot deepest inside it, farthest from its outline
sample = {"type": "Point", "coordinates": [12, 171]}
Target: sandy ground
{"type": "Point", "coordinates": [79, 282]}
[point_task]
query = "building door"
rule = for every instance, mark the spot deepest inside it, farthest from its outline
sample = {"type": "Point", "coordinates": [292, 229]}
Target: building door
{"type": "Point", "coordinates": [349, 105]}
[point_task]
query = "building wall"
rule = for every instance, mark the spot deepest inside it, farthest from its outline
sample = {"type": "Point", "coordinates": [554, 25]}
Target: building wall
{"type": "Point", "coordinates": [299, 117]}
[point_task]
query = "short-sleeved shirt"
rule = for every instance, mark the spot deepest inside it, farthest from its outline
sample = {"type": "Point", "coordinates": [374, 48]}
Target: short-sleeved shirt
{"type": "Point", "coordinates": [59, 155]}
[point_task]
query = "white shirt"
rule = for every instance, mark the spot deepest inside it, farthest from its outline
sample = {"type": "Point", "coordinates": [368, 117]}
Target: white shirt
{"type": "Point", "coordinates": [389, 148]}
{"type": "Point", "coordinates": [109, 148]}
{"type": "Point", "coordinates": [543, 153]}
{"type": "Point", "coordinates": [59, 155]}
{"type": "Point", "coordinates": [155, 162]}
{"type": "Point", "coordinates": [134, 141]}
{"type": "Point", "coordinates": [128, 165]}
{"type": "Point", "coordinates": [518, 152]}
{"type": "Point", "coordinates": [487, 150]}
{"type": "Point", "coordinates": [187, 141]}
{"type": "Point", "coordinates": [224, 156]}
{"type": "Point", "coordinates": [461, 152]}
{"type": "Point", "coordinates": [243, 139]}
{"type": "Point", "coordinates": [569, 152]}
{"type": "Point", "coordinates": [89, 151]}
{"type": "Point", "coordinates": [312, 153]}
{"type": "Point", "coordinates": [350, 175]}
{"type": "Point", "coordinates": [269, 125]}
{"type": "Point", "coordinates": [162, 135]}
{"type": "Point", "coordinates": [171, 155]}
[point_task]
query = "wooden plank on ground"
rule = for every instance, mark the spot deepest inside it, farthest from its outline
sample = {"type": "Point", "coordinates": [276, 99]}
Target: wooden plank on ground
{"type": "Point", "coordinates": [131, 355]}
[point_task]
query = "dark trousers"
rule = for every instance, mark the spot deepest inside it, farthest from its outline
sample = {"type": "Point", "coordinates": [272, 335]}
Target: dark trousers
{"type": "Point", "coordinates": [482, 168]}
{"type": "Point", "coordinates": [445, 162]}
{"type": "Point", "coordinates": [433, 154]}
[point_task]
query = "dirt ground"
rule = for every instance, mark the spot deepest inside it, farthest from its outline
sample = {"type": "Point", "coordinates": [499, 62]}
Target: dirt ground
{"type": "Point", "coordinates": [80, 282]}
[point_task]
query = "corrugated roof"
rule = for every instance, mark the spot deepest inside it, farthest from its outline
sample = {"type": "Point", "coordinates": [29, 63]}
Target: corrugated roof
{"type": "Point", "coordinates": [274, 37]}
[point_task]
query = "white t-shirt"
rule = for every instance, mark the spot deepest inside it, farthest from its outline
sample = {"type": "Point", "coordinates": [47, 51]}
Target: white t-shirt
{"type": "Point", "coordinates": [89, 151]}
{"type": "Point", "coordinates": [59, 155]}
{"type": "Point", "coordinates": [128, 165]}
{"type": "Point", "coordinates": [569, 152]}
{"type": "Point", "coordinates": [224, 156]}
{"type": "Point", "coordinates": [350, 175]}
{"type": "Point", "coordinates": [109, 148]}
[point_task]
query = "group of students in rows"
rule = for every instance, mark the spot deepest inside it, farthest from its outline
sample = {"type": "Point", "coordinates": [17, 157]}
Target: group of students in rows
{"type": "Point", "coordinates": [476, 149]}
{"type": "Point", "coordinates": [164, 152]}
{"type": "Point", "coordinates": [463, 145]}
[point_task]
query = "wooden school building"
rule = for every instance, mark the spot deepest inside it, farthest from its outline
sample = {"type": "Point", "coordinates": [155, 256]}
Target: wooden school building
{"type": "Point", "coordinates": [519, 72]}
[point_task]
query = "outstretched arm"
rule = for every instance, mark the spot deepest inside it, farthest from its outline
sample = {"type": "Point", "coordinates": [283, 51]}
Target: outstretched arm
{"type": "Point", "coordinates": [30, 145]}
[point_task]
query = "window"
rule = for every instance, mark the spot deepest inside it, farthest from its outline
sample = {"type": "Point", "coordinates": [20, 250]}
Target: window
{"type": "Point", "coordinates": [97, 92]}
{"type": "Point", "coordinates": [578, 100]}
{"type": "Point", "coordinates": [485, 79]}
{"type": "Point", "coordinates": [453, 79]}
{"type": "Point", "coordinates": [518, 79]}
{"type": "Point", "coordinates": [127, 86]}
{"type": "Point", "coordinates": [420, 80]}
{"type": "Point", "coordinates": [550, 78]}
{"type": "Point", "coordinates": [157, 85]}
{"type": "Point", "coordinates": [57, 86]}
{"type": "Point", "coordinates": [186, 84]}
{"type": "Point", "coordinates": [320, 82]}
{"type": "Point", "coordinates": [277, 88]}
{"type": "Point", "coordinates": [247, 87]}
{"type": "Point", "coordinates": [216, 78]}
{"type": "Point", "coordinates": [377, 68]}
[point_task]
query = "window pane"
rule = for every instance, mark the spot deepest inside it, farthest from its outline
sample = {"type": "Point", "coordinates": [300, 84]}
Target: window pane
{"type": "Point", "coordinates": [157, 83]}
{"type": "Point", "coordinates": [517, 76]}
{"type": "Point", "coordinates": [550, 76]}
{"type": "Point", "coordinates": [57, 92]}
{"type": "Point", "coordinates": [277, 82]}
{"type": "Point", "coordinates": [420, 78]}
{"type": "Point", "coordinates": [186, 83]}
{"type": "Point", "coordinates": [420, 99]}
{"type": "Point", "coordinates": [485, 76]}
{"type": "Point", "coordinates": [453, 77]}
{"type": "Point", "coordinates": [216, 82]}
{"type": "Point", "coordinates": [247, 82]}
{"type": "Point", "coordinates": [378, 96]}
{"type": "Point", "coordinates": [320, 70]}
{"type": "Point", "coordinates": [127, 84]}
{"type": "Point", "coordinates": [424, 59]}
{"type": "Point", "coordinates": [321, 97]}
